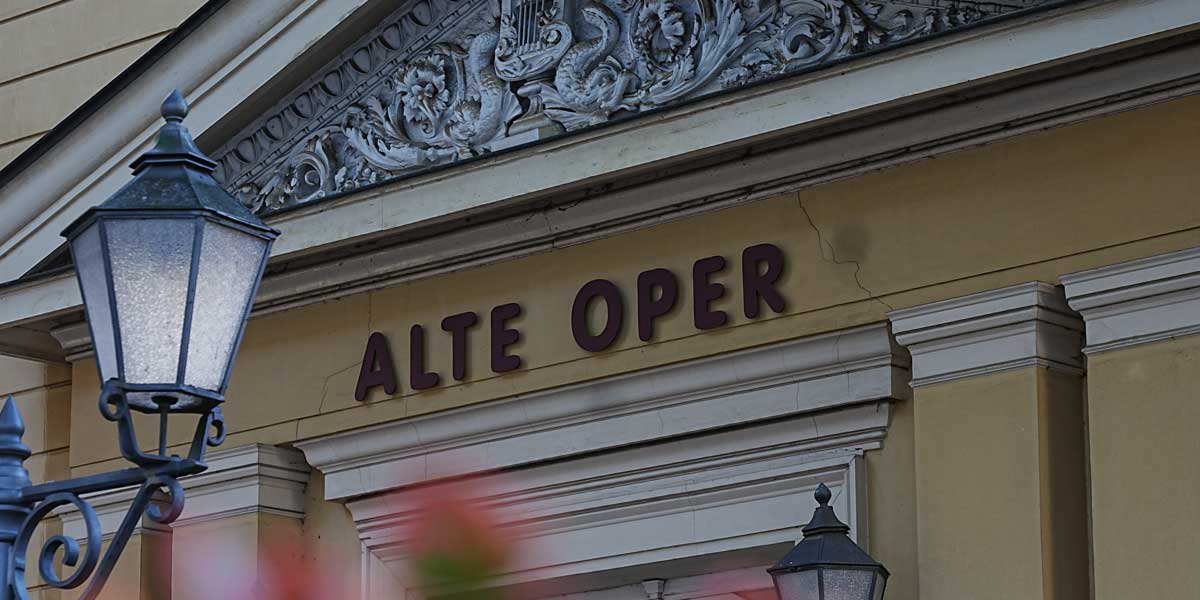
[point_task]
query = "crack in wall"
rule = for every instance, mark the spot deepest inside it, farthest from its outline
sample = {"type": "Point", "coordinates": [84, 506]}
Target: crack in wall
{"type": "Point", "coordinates": [370, 313]}
{"type": "Point", "coordinates": [832, 258]}
{"type": "Point", "coordinates": [325, 385]}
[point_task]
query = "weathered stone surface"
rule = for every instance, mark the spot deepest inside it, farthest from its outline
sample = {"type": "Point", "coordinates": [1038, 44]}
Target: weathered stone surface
{"type": "Point", "coordinates": [446, 80]}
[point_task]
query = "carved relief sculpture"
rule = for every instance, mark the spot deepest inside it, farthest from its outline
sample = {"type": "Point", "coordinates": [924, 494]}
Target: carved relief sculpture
{"type": "Point", "coordinates": [445, 80]}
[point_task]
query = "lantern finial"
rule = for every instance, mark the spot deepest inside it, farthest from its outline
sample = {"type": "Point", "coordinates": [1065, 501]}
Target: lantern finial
{"type": "Point", "coordinates": [174, 108]}
{"type": "Point", "coordinates": [824, 520]}
{"type": "Point", "coordinates": [175, 146]}
{"type": "Point", "coordinates": [827, 564]}
{"type": "Point", "coordinates": [823, 495]}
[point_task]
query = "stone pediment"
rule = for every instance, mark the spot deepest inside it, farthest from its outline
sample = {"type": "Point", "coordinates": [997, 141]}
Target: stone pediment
{"type": "Point", "coordinates": [441, 81]}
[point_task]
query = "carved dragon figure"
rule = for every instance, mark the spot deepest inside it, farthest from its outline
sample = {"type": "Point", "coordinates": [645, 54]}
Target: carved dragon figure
{"type": "Point", "coordinates": [482, 120]}
{"type": "Point", "coordinates": [447, 108]}
{"type": "Point", "coordinates": [590, 84]}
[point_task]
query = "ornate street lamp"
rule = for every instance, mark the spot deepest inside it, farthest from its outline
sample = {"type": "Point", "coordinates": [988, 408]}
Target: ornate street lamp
{"type": "Point", "coordinates": [827, 564]}
{"type": "Point", "coordinates": [168, 268]}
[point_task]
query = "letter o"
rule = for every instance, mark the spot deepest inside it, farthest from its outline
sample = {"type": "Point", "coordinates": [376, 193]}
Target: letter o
{"type": "Point", "coordinates": [607, 291]}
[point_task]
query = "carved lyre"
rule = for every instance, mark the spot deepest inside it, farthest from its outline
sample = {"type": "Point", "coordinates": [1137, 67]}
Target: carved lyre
{"type": "Point", "coordinates": [534, 36]}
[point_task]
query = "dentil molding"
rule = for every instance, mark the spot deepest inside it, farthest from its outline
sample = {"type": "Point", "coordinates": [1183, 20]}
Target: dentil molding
{"type": "Point", "coordinates": [1140, 301]}
{"type": "Point", "coordinates": [1023, 325]}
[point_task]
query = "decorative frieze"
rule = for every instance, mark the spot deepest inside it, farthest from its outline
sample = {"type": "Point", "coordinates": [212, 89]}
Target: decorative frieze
{"type": "Point", "coordinates": [446, 80]}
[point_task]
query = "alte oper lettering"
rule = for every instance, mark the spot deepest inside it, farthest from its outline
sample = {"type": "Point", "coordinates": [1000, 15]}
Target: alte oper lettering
{"type": "Point", "coordinates": [657, 293]}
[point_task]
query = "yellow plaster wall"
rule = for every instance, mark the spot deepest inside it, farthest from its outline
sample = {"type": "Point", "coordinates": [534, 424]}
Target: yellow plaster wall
{"type": "Point", "coordinates": [1143, 406]}
{"type": "Point", "coordinates": [330, 541]}
{"type": "Point", "coordinates": [1062, 471]}
{"type": "Point", "coordinates": [43, 396]}
{"type": "Point", "coordinates": [248, 550]}
{"type": "Point", "coordinates": [1026, 209]}
{"type": "Point", "coordinates": [57, 54]}
{"type": "Point", "coordinates": [977, 484]}
{"type": "Point", "coordinates": [1032, 208]}
{"type": "Point", "coordinates": [1000, 481]}
{"type": "Point", "coordinates": [892, 504]}
{"type": "Point", "coordinates": [142, 573]}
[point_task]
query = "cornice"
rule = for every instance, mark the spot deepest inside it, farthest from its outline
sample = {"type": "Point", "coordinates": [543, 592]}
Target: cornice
{"type": "Point", "coordinates": [1140, 301]}
{"type": "Point", "coordinates": [1024, 325]}
{"type": "Point", "coordinates": [770, 382]}
{"type": "Point", "coordinates": [411, 238]}
{"type": "Point", "coordinates": [249, 479]}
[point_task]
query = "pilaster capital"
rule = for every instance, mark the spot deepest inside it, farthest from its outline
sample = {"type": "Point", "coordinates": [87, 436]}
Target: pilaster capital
{"type": "Point", "coordinates": [1023, 325]}
{"type": "Point", "coordinates": [256, 478]}
{"type": "Point", "coordinates": [1140, 301]}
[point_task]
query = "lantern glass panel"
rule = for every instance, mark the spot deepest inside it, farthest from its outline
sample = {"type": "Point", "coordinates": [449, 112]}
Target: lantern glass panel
{"type": "Point", "coordinates": [799, 585]}
{"type": "Point", "coordinates": [228, 270]}
{"type": "Point", "coordinates": [92, 272]}
{"type": "Point", "coordinates": [880, 583]}
{"type": "Point", "coordinates": [151, 262]}
{"type": "Point", "coordinates": [847, 584]}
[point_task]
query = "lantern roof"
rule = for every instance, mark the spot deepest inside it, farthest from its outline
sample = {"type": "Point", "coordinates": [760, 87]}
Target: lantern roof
{"type": "Point", "coordinates": [174, 175]}
{"type": "Point", "coordinates": [826, 542]}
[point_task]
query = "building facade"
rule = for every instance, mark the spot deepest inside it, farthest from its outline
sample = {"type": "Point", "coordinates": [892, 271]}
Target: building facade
{"type": "Point", "coordinates": [647, 273]}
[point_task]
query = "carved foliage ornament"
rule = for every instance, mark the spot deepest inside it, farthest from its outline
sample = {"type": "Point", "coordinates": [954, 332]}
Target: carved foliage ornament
{"type": "Point", "coordinates": [445, 80]}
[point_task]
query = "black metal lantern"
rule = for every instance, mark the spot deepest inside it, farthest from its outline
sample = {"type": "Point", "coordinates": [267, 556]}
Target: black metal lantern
{"type": "Point", "coordinates": [168, 267]}
{"type": "Point", "coordinates": [827, 564]}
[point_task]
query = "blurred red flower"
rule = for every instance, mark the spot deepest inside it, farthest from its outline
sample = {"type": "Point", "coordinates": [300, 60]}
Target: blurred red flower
{"type": "Point", "coordinates": [457, 543]}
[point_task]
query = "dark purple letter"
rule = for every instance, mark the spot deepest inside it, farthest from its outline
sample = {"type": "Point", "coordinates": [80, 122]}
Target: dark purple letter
{"type": "Point", "coordinates": [377, 368]}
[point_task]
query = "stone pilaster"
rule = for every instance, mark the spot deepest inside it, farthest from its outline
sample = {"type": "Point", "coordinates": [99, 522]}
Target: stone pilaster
{"type": "Point", "coordinates": [998, 412]}
{"type": "Point", "coordinates": [1143, 391]}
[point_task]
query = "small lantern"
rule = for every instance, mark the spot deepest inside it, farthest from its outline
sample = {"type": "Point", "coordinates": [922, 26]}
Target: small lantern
{"type": "Point", "coordinates": [827, 564]}
{"type": "Point", "coordinates": [168, 267]}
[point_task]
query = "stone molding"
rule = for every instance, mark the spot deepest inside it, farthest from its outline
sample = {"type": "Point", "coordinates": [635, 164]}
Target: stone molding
{"type": "Point", "coordinates": [245, 480]}
{"type": "Point", "coordinates": [75, 339]}
{"type": "Point", "coordinates": [607, 520]}
{"type": "Point", "coordinates": [1145, 300]}
{"type": "Point", "coordinates": [739, 443]}
{"type": "Point", "coordinates": [795, 377]}
{"type": "Point", "coordinates": [1024, 325]}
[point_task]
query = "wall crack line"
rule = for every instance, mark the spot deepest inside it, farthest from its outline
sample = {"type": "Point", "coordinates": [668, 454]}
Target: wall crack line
{"type": "Point", "coordinates": [822, 243]}
{"type": "Point", "coordinates": [325, 386]}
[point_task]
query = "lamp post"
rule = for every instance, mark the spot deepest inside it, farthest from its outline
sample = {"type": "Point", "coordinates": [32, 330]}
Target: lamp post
{"type": "Point", "coordinates": [168, 268]}
{"type": "Point", "coordinates": [827, 564]}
